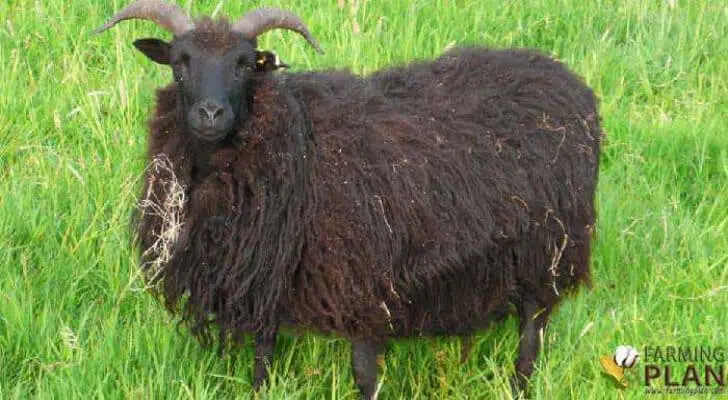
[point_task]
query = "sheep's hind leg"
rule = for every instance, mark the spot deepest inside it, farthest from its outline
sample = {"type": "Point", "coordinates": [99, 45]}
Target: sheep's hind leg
{"type": "Point", "coordinates": [533, 316]}
{"type": "Point", "coordinates": [364, 367]}
{"type": "Point", "coordinates": [264, 346]}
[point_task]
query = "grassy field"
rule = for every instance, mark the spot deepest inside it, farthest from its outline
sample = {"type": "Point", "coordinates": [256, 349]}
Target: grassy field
{"type": "Point", "coordinates": [76, 323]}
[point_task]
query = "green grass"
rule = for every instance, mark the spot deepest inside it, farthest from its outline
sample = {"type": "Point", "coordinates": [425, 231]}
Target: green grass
{"type": "Point", "coordinates": [74, 322]}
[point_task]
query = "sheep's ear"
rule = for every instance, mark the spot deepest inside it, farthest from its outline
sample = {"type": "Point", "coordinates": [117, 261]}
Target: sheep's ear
{"type": "Point", "coordinates": [268, 61]}
{"type": "Point", "coordinates": [155, 49]}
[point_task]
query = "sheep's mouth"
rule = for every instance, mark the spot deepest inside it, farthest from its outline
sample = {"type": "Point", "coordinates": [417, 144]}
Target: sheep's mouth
{"type": "Point", "coordinates": [211, 134]}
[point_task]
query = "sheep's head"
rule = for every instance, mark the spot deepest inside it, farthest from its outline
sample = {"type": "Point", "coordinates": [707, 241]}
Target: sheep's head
{"type": "Point", "coordinates": [213, 62]}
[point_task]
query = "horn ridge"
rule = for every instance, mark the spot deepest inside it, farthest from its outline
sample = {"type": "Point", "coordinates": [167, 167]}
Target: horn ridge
{"type": "Point", "coordinates": [169, 16]}
{"type": "Point", "coordinates": [261, 20]}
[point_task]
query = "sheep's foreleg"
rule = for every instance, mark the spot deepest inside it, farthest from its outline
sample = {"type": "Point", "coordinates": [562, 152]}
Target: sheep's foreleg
{"type": "Point", "coordinates": [264, 345]}
{"type": "Point", "coordinates": [533, 318]}
{"type": "Point", "coordinates": [364, 366]}
{"type": "Point", "coordinates": [466, 343]}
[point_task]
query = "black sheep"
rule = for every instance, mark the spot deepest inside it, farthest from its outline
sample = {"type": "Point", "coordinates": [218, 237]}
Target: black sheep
{"type": "Point", "coordinates": [421, 200]}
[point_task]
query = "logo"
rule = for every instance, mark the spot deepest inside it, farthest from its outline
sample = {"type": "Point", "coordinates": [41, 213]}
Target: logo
{"type": "Point", "coordinates": [670, 370]}
{"type": "Point", "coordinates": [624, 357]}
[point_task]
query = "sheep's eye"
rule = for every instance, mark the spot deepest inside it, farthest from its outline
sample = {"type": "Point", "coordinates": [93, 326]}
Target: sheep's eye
{"type": "Point", "coordinates": [181, 66]}
{"type": "Point", "coordinates": [241, 67]}
{"type": "Point", "coordinates": [183, 61]}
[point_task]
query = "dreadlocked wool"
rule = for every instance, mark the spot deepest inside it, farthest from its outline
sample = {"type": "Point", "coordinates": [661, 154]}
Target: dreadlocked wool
{"type": "Point", "coordinates": [420, 200]}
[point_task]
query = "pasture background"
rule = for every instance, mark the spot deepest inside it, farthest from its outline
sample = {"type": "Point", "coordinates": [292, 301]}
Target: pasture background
{"type": "Point", "coordinates": [74, 322]}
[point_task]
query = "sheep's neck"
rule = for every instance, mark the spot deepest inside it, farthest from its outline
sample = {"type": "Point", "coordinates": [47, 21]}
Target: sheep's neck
{"type": "Point", "coordinates": [201, 157]}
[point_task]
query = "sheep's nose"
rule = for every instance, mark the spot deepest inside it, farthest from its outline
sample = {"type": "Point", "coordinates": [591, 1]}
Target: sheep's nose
{"type": "Point", "coordinates": [210, 112]}
{"type": "Point", "coordinates": [211, 119]}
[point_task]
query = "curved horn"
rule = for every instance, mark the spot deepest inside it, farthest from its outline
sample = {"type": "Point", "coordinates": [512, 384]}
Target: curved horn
{"type": "Point", "coordinates": [259, 21]}
{"type": "Point", "coordinates": [168, 16]}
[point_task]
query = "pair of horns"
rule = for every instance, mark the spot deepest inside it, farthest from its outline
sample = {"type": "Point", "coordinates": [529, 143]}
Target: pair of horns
{"type": "Point", "coordinates": [172, 18]}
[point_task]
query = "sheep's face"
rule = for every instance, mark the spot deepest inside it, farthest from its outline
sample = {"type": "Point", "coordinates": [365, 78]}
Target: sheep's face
{"type": "Point", "coordinates": [213, 68]}
{"type": "Point", "coordinates": [213, 61]}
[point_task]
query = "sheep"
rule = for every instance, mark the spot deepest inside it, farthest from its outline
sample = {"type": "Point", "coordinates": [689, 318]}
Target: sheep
{"type": "Point", "coordinates": [427, 199]}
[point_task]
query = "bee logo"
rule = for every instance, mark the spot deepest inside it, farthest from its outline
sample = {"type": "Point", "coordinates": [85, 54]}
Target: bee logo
{"type": "Point", "coordinates": [624, 357]}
